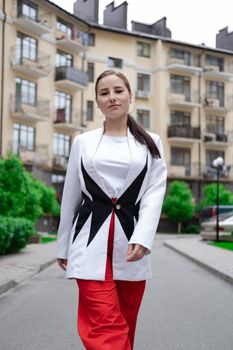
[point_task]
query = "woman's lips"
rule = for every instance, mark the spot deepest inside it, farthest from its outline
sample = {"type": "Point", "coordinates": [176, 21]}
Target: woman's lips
{"type": "Point", "coordinates": [114, 106]}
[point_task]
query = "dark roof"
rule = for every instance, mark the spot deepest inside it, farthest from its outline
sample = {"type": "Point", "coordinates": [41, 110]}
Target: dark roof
{"type": "Point", "coordinates": [157, 37]}
{"type": "Point", "coordinates": [139, 34]}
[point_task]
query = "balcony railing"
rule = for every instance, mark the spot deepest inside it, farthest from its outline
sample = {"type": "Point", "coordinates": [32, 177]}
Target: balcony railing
{"type": "Point", "coordinates": [38, 156]}
{"type": "Point", "coordinates": [38, 25]}
{"type": "Point", "coordinates": [183, 171]}
{"type": "Point", "coordinates": [71, 78]}
{"type": "Point", "coordinates": [211, 137]}
{"type": "Point", "coordinates": [184, 132]}
{"type": "Point", "coordinates": [76, 42]}
{"type": "Point", "coordinates": [38, 67]}
{"type": "Point", "coordinates": [217, 104]}
{"type": "Point", "coordinates": [20, 107]}
{"type": "Point", "coordinates": [60, 162]}
{"type": "Point", "coordinates": [185, 99]}
{"type": "Point", "coordinates": [181, 64]}
{"type": "Point", "coordinates": [68, 121]}
{"type": "Point", "coordinates": [215, 71]}
{"type": "Point", "coordinates": [225, 173]}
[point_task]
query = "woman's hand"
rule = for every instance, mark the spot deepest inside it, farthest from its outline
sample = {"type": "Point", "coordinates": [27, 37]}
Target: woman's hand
{"type": "Point", "coordinates": [62, 263]}
{"type": "Point", "coordinates": [136, 252]}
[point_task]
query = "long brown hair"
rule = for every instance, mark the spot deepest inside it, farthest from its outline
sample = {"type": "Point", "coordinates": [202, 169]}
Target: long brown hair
{"type": "Point", "coordinates": [137, 130]}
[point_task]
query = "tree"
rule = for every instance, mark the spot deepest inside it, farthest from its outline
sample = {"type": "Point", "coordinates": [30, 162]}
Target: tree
{"type": "Point", "coordinates": [21, 195]}
{"type": "Point", "coordinates": [178, 204]}
{"type": "Point", "coordinates": [210, 196]}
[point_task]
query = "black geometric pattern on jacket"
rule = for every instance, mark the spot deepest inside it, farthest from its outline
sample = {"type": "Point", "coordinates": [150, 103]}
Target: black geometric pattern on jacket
{"type": "Point", "coordinates": [101, 206]}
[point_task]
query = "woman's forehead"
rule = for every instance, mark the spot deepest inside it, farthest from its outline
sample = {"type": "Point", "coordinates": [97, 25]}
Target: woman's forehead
{"type": "Point", "coordinates": [110, 80]}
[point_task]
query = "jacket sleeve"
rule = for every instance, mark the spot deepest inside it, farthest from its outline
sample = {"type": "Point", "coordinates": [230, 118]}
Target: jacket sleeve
{"type": "Point", "coordinates": [151, 202]}
{"type": "Point", "coordinates": [71, 199]}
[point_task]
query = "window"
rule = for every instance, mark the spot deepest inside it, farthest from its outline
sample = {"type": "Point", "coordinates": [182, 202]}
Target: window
{"type": "Point", "coordinates": [215, 61]}
{"type": "Point", "coordinates": [61, 145]}
{"type": "Point", "coordinates": [25, 92]}
{"type": "Point", "coordinates": [143, 82]}
{"type": "Point", "coordinates": [57, 179]}
{"type": "Point", "coordinates": [63, 105]}
{"type": "Point", "coordinates": [26, 47]}
{"type": "Point", "coordinates": [180, 118]}
{"type": "Point", "coordinates": [143, 118]}
{"type": "Point", "coordinates": [91, 39]}
{"type": "Point", "coordinates": [213, 154]}
{"type": "Point", "coordinates": [215, 90]}
{"type": "Point", "coordinates": [215, 124]}
{"type": "Point", "coordinates": [181, 85]}
{"type": "Point", "coordinates": [90, 71]}
{"type": "Point", "coordinates": [65, 27]}
{"type": "Point", "coordinates": [23, 136]}
{"type": "Point", "coordinates": [64, 59]}
{"type": "Point", "coordinates": [114, 62]}
{"type": "Point", "coordinates": [183, 55]}
{"type": "Point", "coordinates": [143, 49]}
{"type": "Point", "coordinates": [28, 9]}
{"type": "Point", "coordinates": [90, 111]}
{"type": "Point", "coordinates": [180, 156]}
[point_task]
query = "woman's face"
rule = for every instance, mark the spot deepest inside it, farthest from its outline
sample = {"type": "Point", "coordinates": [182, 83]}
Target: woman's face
{"type": "Point", "coordinates": [112, 97]}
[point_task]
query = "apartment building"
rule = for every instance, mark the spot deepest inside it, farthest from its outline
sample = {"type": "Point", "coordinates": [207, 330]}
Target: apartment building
{"type": "Point", "coordinates": [43, 78]}
{"type": "Point", "coordinates": [51, 59]}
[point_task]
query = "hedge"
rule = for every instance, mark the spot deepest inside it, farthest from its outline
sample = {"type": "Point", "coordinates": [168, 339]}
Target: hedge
{"type": "Point", "coordinates": [14, 234]}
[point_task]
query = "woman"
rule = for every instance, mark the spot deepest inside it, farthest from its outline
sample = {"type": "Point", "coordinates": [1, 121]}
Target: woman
{"type": "Point", "coordinates": [112, 198]}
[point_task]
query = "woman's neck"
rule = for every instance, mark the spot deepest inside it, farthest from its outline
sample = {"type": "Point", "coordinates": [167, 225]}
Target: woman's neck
{"type": "Point", "coordinates": [115, 128]}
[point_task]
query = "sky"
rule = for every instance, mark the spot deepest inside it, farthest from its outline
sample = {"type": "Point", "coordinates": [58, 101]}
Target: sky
{"type": "Point", "coordinates": [194, 22]}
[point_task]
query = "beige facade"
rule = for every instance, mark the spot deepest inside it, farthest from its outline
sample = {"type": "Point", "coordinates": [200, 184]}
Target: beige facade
{"type": "Point", "coordinates": [181, 91]}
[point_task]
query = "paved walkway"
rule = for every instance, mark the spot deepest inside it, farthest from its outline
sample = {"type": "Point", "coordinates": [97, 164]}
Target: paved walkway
{"type": "Point", "coordinates": [16, 268]}
{"type": "Point", "coordinates": [216, 260]}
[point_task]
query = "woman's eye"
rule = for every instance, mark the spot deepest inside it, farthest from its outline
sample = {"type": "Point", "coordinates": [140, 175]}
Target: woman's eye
{"type": "Point", "coordinates": [103, 93]}
{"type": "Point", "coordinates": [119, 91]}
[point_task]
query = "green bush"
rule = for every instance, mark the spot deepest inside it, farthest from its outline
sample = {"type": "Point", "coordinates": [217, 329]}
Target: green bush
{"type": "Point", "coordinates": [14, 234]}
{"type": "Point", "coordinates": [192, 228]}
{"type": "Point", "coordinates": [21, 195]}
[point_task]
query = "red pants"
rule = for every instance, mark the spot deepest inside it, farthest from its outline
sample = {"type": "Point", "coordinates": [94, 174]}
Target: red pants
{"type": "Point", "coordinates": [107, 311]}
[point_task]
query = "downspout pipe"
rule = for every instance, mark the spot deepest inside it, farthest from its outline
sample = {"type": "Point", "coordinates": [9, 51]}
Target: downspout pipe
{"type": "Point", "coordinates": [2, 79]}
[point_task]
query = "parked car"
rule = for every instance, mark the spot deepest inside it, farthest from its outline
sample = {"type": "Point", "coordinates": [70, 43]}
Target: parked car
{"type": "Point", "coordinates": [211, 211]}
{"type": "Point", "coordinates": [208, 227]}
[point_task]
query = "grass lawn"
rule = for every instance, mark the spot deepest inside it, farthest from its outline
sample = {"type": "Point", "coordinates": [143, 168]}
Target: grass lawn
{"type": "Point", "coordinates": [224, 245]}
{"type": "Point", "coordinates": [47, 239]}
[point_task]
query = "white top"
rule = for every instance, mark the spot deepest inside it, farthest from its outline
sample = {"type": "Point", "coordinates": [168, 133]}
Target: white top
{"type": "Point", "coordinates": [112, 160]}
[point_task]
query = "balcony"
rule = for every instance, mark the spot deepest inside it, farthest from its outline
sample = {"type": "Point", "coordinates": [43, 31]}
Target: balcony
{"type": "Point", "coordinates": [221, 140]}
{"type": "Point", "coordinates": [217, 105]}
{"type": "Point", "coordinates": [142, 95]}
{"type": "Point", "coordinates": [22, 110]}
{"type": "Point", "coordinates": [35, 26]}
{"type": "Point", "coordinates": [185, 134]}
{"type": "Point", "coordinates": [209, 172]}
{"type": "Point", "coordinates": [184, 171]}
{"type": "Point", "coordinates": [38, 68]}
{"type": "Point", "coordinates": [38, 156]}
{"type": "Point", "coordinates": [76, 43]}
{"type": "Point", "coordinates": [64, 122]}
{"type": "Point", "coordinates": [179, 65]}
{"type": "Point", "coordinates": [214, 72]}
{"type": "Point", "coordinates": [182, 100]}
{"type": "Point", "coordinates": [60, 162]}
{"type": "Point", "coordinates": [71, 78]}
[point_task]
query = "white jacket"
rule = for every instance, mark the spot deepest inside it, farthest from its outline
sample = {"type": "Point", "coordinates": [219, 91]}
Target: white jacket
{"type": "Point", "coordinates": [86, 211]}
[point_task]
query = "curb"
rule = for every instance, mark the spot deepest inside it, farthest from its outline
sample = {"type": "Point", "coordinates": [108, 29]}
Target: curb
{"type": "Point", "coordinates": [209, 268]}
{"type": "Point", "coordinates": [12, 283]}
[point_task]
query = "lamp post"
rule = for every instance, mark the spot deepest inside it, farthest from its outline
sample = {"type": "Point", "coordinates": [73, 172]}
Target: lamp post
{"type": "Point", "coordinates": [218, 164]}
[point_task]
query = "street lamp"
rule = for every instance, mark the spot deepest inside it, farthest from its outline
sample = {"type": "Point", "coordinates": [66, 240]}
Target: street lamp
{"type": "Point", "coordinates": [218, 164]}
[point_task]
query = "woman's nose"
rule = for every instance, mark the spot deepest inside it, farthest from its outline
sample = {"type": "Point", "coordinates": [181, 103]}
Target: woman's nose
{"type": "Point", "coordinates": [112, 96]}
